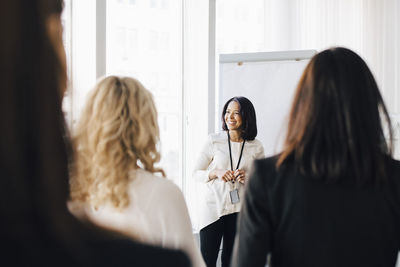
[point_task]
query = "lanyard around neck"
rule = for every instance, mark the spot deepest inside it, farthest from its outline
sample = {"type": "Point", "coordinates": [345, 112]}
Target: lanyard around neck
{"type": "Point", "coordinates": [230, 152]}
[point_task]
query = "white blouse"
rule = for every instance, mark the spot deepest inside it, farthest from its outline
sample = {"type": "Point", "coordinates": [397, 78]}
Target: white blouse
{"type": "Point", "coordinates": [157, 215]}
{"type": "Point", "coordinates": [215, 198]}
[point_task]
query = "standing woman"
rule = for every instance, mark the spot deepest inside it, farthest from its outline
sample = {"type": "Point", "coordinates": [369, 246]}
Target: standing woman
{"type": "Point", "coordinates": [332, 196]}
{"type": "Point", "coordinates": [222, 169]}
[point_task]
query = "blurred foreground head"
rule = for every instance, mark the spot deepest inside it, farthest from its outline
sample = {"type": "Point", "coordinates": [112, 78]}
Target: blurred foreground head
{"type": "Point", "coordinates": [33, 156]}
{"type": "Point", "coordinates": [37, 229]}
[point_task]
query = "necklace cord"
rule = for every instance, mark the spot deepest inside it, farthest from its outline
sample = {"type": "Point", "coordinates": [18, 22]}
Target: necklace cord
{"type": "Point", "coordinates": [230, 153]}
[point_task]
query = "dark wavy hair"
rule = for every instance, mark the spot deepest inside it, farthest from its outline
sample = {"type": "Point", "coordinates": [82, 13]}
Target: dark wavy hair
{"type": "Point", "coordinates": [335, 126]}
{"type": "Point", "coordinates": [248, 113]}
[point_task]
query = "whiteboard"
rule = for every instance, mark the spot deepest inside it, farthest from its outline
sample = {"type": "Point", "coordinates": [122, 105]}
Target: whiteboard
{"type": "Point", "coordinates": [268, 80]}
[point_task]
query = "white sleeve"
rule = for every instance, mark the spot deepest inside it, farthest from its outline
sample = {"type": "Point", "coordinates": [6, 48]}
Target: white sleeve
{"type": "Point", "coordinates": [177, 230]}
{"type": "Point", "coordinates": [201, 171]}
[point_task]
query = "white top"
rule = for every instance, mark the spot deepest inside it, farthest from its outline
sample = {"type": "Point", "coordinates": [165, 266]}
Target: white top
{"type": "Point", "coordinates": [215, 199]}
{"type": "Point", "coordinates": [157, 215]}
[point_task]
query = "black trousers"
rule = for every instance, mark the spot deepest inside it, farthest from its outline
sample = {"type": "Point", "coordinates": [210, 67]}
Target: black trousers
{"type": "Point", "coordinates": [210, 240]}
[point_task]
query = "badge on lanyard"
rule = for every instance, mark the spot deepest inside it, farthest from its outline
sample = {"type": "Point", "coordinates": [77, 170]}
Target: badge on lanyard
{"type": "Point", "coordinates": [234, 193]}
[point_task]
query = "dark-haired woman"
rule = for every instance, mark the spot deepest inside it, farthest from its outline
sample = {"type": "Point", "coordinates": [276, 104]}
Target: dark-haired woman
{"type": "Point", "coordinates": [332, 196]}
{"type": "Point", "coordinates": [222, 170]}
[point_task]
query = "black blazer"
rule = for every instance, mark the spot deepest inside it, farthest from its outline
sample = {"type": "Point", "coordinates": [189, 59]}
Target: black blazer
{"type": "Point", "coordinates": [305, 222]}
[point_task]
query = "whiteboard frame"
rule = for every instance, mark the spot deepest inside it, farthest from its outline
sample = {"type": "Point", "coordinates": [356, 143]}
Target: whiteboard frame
{"type": "Point", "coordinates": [267, 56]}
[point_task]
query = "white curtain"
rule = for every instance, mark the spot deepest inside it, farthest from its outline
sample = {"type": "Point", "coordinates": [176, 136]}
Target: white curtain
{"type": "Point", "coordinates": [369, 27]}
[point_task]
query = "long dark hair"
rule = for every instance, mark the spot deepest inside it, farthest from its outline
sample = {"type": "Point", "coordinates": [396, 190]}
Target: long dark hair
{"type": "Point", "coordinates": [248, 113]}
{"type": "Point", "coordinates": [33, 147]}
{"type": "Point", "coordinates": [37, 228]}
{"type": "Point", "coordinates": [335, 125]}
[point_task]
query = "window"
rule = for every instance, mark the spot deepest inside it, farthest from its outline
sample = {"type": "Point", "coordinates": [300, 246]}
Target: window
{"type": "Point", "coordinates": [145, 41]}
{"type": "Point", "coordinates": [126, 50]}
{"type": "Point", "coordinates": [239, 27]}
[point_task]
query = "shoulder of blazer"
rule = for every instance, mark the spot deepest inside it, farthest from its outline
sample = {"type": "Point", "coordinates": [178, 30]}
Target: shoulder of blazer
{"type": "Point", "coordinates": [265, 168]}
{"type": "Point", "coordinates": [267, 163]}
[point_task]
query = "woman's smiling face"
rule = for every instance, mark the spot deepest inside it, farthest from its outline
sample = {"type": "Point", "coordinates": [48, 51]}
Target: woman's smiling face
{"type": "Point", "coordinates": [233, 119]}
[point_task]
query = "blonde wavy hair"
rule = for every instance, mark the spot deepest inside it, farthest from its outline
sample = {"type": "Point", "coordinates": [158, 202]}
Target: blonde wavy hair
{"type": "Point", "coordinates": [118, 131]}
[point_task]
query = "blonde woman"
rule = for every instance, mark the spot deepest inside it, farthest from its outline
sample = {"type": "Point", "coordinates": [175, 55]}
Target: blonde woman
{"type": "Point", "coordinates": [114, 177]}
